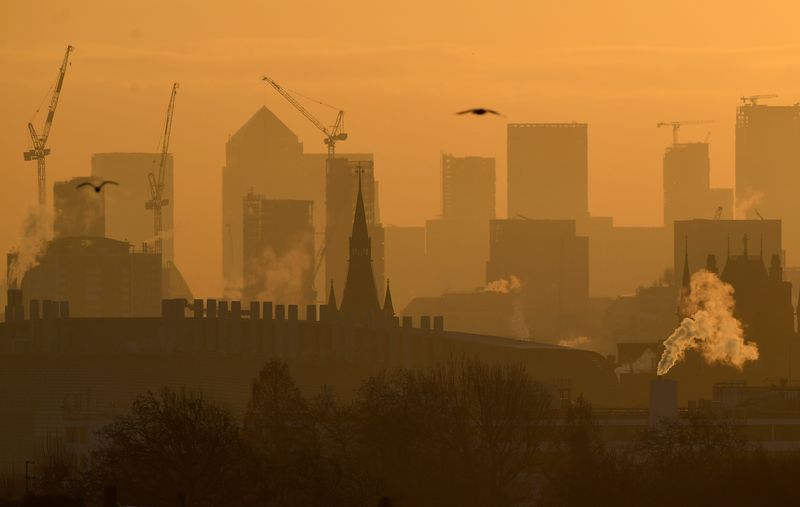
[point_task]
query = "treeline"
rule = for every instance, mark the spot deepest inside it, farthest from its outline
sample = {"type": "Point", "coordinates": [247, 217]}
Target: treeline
{"type": "Point", "coordinates": [462, 434]}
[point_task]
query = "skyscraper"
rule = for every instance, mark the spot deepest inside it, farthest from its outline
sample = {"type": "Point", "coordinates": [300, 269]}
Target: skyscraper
{"type": "Point", "coordinates": [468, 188]}
{"type": "Point", "coordinates": [548, 170]}
{"type": "Point", "coordinates": [768, 167]}
{"type": "Point", "coordinates": [278, 249]}
{"type": "Point", "coordinates": [126, 216]}
{"type": "Point", "coordinates": [78, 211]}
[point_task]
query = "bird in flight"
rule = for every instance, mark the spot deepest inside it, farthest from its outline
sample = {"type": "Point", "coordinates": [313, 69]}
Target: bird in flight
{"type": "Point", "coordinates": [99, 187]}
{"type": "Point", "coordinates": [479, 111]}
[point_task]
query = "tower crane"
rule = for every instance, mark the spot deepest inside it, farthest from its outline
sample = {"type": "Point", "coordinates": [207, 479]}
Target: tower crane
{"type": "Point", "coordinates": [676, 126]}
{"type": "Point", "coordinates": [40, 149]}
{"type": "Point", "coordinates": [157, 200]}
{"type": "Point", "coordinates": [753, 99]}
{"type": "Point", "coordinates": [332, 135]}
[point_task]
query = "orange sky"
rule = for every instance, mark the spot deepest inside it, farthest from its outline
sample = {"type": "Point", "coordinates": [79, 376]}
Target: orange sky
{"type": "Point", "coordinates": [399, 71]}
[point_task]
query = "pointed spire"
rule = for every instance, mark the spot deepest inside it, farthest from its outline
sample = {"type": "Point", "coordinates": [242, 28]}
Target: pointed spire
{"type": "Point", "coordinates": [332, 298]}
{"type": "Point", "coordinates": [686, 274]}
{"type": "Point", "coordinates": [360, 219]}
{"type": "Point", "coordinates": [388, 307]}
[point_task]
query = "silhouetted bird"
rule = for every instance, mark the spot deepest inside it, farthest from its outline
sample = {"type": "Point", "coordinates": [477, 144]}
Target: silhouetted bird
{"type": "Point", "coordinates": [479, 111]}
{"type": "Point", "coordinates": [97, 188]}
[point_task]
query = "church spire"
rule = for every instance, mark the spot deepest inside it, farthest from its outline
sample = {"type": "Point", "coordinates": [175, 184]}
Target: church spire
{"type": "Point", "coordinates": [332, 298]}
{"type": "Point", "coordinates": [360, 300]}
{"type": "Point", "coordinates": [686, 274]}
{"type": "Point", "coordinates": [388, 307]}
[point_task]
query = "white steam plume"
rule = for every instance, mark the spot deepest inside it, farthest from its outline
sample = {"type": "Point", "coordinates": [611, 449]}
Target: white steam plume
{"type": "Point", "coordinates": [711, 328]}
{"type": "Point", "coordinates": [36, 231]}
{"type": "Point", "coordinates": [579, 342]}
{"type": "Point", "coordinates": [642, 364]}
{"type": "Point", "coordinates": [749, 200]}
{"type": "Point", "coordinates": [281, 278]}
{"type": "Point", "coordinates": [503, 286]}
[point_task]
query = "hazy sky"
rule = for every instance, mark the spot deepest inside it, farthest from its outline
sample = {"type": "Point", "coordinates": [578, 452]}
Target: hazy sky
{"type": "Point", "coordinates": [399, 70]}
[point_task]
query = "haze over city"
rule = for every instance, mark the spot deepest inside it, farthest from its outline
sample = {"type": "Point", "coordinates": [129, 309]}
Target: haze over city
{"type": "Point", "coordinates": [418, 254]}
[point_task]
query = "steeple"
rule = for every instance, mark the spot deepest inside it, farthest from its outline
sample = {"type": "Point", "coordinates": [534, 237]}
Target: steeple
{"type": "Point", "coordinates": [686, 274]}
{"type": "Point", "coordinates": [360, 301]}
{"type": "Point", "coordinates": [332, 298]}
{"type": "Point", "coordinates": [388, 307]}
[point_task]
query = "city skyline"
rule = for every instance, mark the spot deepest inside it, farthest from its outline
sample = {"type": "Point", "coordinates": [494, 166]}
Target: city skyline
{"type": "Point", "coordinates": [120, 70]}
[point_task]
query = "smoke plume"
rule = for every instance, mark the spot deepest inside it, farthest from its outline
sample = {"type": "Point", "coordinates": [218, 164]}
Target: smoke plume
{"type": "Point", "coordinates": [711, 327]}
{"type": "Point", "coordinates": [36, 231]}
{"type": "Point", "coordinates": [503, 286]}
{"type": "Point", "coordinates": [280, 277]}
{"type": "Point", "coordinates": [749, 200]}
{"type": "Point", "coordinates": [642, 364]}
{"type": "Point", "coordinates": [579, 342]}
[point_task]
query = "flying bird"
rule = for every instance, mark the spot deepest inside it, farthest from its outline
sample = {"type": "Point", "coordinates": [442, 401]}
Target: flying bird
{"type": "Point", "coordinates": [479, 111]}
{"type": "Point", "coordinates": [99, 187]}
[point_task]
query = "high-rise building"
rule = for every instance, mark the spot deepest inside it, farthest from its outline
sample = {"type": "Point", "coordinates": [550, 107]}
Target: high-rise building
{"type": "Point", "coordinates": [341, 191]}
{"type": "Point", "coordinates": [406, 264]}
{"type": "Point", "coordinates": [265, 156]}
{"type": "Point", "coordinates": [278, 249]}
{"type": "Point", "coordinates": [99, 277]}
{"type": "Point", "coordinates": [687, 185]}
{"type": "Point", "coordinates": [78, 211]}
{"type": "Point", "coordinates": [548, 170]}
{"type": "Point", "coordinates": [768, 168]}
{"type": "Point", "coordinates": [551, 264]}
{"type": "Point", "coordinates": [468, 188]}
{"type": "Point", "coordinates": [127, 219]}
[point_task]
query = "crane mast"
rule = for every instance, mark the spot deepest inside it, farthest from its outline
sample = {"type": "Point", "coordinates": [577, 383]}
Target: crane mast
{"type": "Point", "coordinates": [157, 200]}
{"type": "Point", "coordinates": [676, 126]}
{"type": "Point", "coordinates": [40, 149]}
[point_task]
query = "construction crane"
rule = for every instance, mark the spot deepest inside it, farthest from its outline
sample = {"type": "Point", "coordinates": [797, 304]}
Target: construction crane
{"type": "Point", "coordinates": [753, 99]}
{"type": "Point", "coordinates": [157, 201]}
{"type": "Point", "coordinates": [676, 126]}
{"type": "Point", "coordinates": [331, 135]}
{"type": "Point", "coordinates": [40, 149]}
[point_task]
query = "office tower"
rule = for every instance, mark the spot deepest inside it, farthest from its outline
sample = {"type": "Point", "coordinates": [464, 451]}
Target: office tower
{"type": "Point", "coordinates": [456, 252]}
{"type": "Point", "coordinates": [278, 249]}
{"type": "Point", "coordinates": [99, 277]}
{"type": "Point", "coordinates": [78, 211]}
{"type": "Point", "coordinates": [406, 263]}
{"type": "Point", "coordinates": [687, 185]}
{"type": "Point", "coordinates": [265, 156]}
{"type": "Point", "coordinates": [468, 188]}
{"type": "Point", "coordinates": [126, 216]}
{"type": "Point", "coordinates": [722, 238]}
{"type": "Point", "coordinates": [768, 168]}
{"type": "Point", "coordinates": [341, 191]}
{"type": "Point", "coordinates": [552, 265]}
{"type": "Point", "coordinates": [548, 170]}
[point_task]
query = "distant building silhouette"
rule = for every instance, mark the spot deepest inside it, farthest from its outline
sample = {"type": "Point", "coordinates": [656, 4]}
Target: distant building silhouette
{"type": "Point", "coordinates": [768, 167]}
{"type": "Point", "coordinates": [126, 216]}
{"type": "Point", "coordinates": [266, 156]}
{"type": "Point", "coordinates": [128, 220]}
{"type": "Point", "coordinates": [341, 192]}
{"type": "Point", "coordinates": [278, 249]}
{"type": "Point", "coordinates": [406, 264]}
{"type": "Point", "coordinates": [78, 211]}
{"type": "Point", "coordinates": [99, 277]}
{"type": "Point", "coordinates": [468, 188]}
{"type": "Point", "coordinates": [548, 170]}
{"type": "Point", "coordinates": [687, 185]}
{"type": "Point", "coordinates": [721, 238]}
{"type": "Point", "coordinates": [552, 265]}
